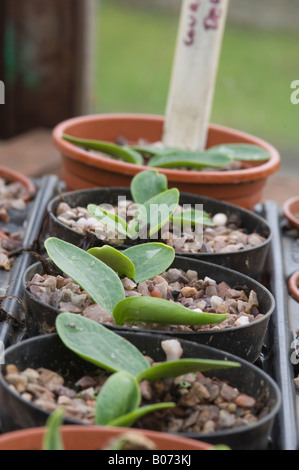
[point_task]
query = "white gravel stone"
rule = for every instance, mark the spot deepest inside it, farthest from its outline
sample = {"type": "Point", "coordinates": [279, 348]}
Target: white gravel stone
{"type": "Point", "coordinates": [220, 219]}
{"type": "Point", "coordinates": [242, 321]}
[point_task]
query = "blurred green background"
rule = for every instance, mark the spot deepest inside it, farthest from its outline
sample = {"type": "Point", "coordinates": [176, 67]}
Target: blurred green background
{"type": "Point", "coordinates": [133, 64]}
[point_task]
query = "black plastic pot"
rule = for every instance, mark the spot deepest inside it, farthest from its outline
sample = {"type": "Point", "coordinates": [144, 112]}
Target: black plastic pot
{"type": "Point", "coordinates": [49, 352]}
{"type": "Point", "coordinates": [249, 261]}
{"type": "Point", "coordinates": [243, 341]}
{"type": "Point", "coordinates": [30, 223]}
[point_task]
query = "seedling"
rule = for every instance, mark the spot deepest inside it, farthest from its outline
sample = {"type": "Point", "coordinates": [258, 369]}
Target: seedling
{"type": "Point", "coordinates": [102, 283]}
{"type": "Point", "coordinates": [169, 157]}
{"type": "Point", "coordinates": [156, 207]}
{"type": "Point", "coordinates": [126, 154]}
{"type": "Point", "coordinates": [52, 439]}
{"type": "Point", "coordinates": [118, 403]}
{"type": "Point", "coordinates": [151, 216]}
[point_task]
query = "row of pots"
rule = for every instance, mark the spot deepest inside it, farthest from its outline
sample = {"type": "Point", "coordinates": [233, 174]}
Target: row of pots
{"type": "Point", "coordinates": [244, 342]}
{"type": "Point", "coordinates": [83, 170]}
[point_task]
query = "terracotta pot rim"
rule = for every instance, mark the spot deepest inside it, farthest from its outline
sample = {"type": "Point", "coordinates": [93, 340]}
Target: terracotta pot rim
{"type": "Point", "coordinates": [109, 432]}
{"type": "Point", "coordinates": [204, 177]}
{"type": "Point", "coordinates": [293, 285]}
{"type": "Point", "coordinates": [288, 210]}
{"type": "Point", "coordinates": [15, 176]}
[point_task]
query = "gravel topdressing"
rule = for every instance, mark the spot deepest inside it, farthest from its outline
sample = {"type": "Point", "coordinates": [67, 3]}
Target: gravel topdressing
{"type": "Point", "coordinates": [226, 236]}
{"type": "Point", "coordinates": [175, 285]}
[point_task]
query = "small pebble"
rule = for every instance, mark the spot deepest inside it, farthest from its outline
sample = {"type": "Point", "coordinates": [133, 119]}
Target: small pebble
{"type": "Point", "coordinates": [244, 401]}
{"type": "Point", "coordinates": [220, 219]}
{"type": "Point", "coordinates": [242, 321]}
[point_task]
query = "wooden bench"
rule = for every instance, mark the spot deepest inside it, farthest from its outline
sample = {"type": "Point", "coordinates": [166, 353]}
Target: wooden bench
{"type": "Point", "coordinates": [31, 153]}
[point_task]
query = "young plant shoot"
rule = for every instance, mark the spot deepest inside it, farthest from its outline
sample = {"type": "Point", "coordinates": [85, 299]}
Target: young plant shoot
{"type": "Point", "coordinates": [96, 272]}
{"type": "Point", "coordinates": [156, 207]}
{"type": "Point", "coordinates": [169, 157]}
{"type": "Point", "coordinates": [104, 348]}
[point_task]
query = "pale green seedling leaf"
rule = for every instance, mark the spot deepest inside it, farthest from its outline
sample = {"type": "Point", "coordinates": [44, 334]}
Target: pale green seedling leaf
{"type": "Point", "coordinates": [192, 217]}
{"type": "Point", "coordinates": [192, 160]}
{"type": "Point", "coordinates": [100, 282]}
{"type": "Point", "coordinates": [115, 259]}
{"type": "Point", "coordinates": [96, 344]}
{"type": "Point", "coordinates": [164, 312]}
{"type": "Point", "coordinates": [149, 259]}
{"type": "Point", "coordinates": [119, 152]}
{"type": "Point", "coordinates": [52, 439]}
{"type": "Point", "coordinates": [147, 184]}
{"type": "Point", "coordinates": [242, 152]}
{"type": "Point", "coordinates": [220, 447]}
{"type": "Point", "coordinates": [155, 212]}
{"type": "Point", "coordinates": [172, 369]}
{"type": "Point", "coordinates": [119, 396]}
{"type": "Point", "coordinates": [155, 149]}
{"type": "Point", "coordinates": [109, 219]}
{"type": "Point", "coordinates": [130, 418]}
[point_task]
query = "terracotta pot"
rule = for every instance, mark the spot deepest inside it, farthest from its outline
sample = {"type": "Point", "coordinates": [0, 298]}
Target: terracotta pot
{"type": "Point", "coordinates": [14, 176]}
{"type": "Point", "coordinates": [81, 169]}
{"type": "Point", "coordinates": [291, 211]}
{"type": "Point", "coordinates": [95, 438]}
{"type": "Point", "coordinates": [293, 285]}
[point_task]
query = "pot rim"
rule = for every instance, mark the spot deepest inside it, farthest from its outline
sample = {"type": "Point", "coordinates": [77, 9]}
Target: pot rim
{"type": "Point", "coordinates": [108, 432]}
{"type": "Point", "coordinates": [15, 176]}
{"type": "Point", "coordinates": [293, 284]}
{"type": "Point", "coordinates": [227, 356]}
{"type": "Point", "coordinates": [178, 334]}
{"type": "Point", "coordinates": [229, 205]}
{"type": "Point", "coordinates": [204, 177]}
{"type": "Point", "coordinates": [288, 210]}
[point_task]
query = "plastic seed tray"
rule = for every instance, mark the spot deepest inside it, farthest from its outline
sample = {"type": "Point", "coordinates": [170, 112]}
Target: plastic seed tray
{"type": "Point", "coordinates": [30, 223]}
{"type": "Point", "coordinates": [282, 261]}
{"type": "Point", "coordinates": [276, 360]}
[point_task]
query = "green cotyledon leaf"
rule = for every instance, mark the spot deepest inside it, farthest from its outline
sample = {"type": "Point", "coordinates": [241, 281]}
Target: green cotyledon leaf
{"type": "Point", "coordinates": [119, 152]}
{"type": "Point", "coordinates": [147, 184]}
{"type": "Point", "coordinates": [109, 219]}
{"type": "Point", "coordinates": [173, 369]}
{"type": "Point", "coordinates": [100, 282]}
{"type": "Point", "coordinates": [192, 217]}
{"type": "Point", "coordinates": [98, 345]}
{"type": "Point", "coordinates": [242, 152]}
{"type": "Point", "coordinates": [52, 439]}
{"type": "Point", "coordinates": [115, 259]}
{"type": "Point", "coordinates": [119, 396]}
{"type": "Point", "coordinates": [149, 259]}
{"type": "Point", "coordinates": [130, 418]}
{"type": "Point", "coordinates": [155, 213]}
{"type": "Point", "coordinates": [164, 312]}
{"type": "Point", "coordinates": [192, 160]}
{"type": "Point", "coordinates": [155, 149]}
